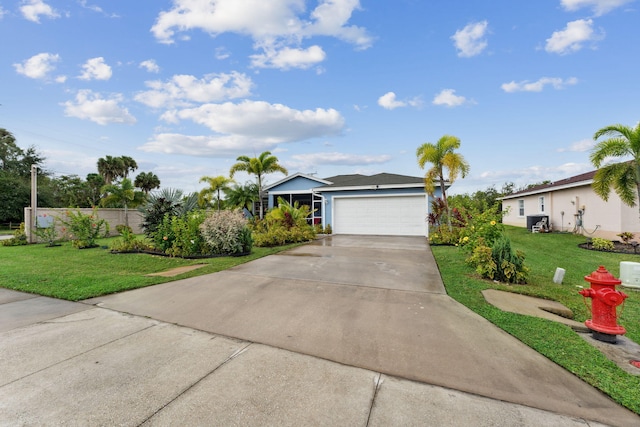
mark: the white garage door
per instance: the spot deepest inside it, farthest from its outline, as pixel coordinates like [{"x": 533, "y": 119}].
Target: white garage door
[{"x": 393, "y": 215}]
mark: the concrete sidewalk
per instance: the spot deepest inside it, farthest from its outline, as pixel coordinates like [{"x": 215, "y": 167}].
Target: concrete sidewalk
[{"x": 328, "y": 334}]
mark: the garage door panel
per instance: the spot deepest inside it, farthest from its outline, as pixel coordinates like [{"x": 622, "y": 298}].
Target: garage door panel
[{"x": 401, "y": 215}]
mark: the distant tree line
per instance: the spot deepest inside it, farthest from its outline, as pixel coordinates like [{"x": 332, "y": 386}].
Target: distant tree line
[{"x": 67, "y": 191}]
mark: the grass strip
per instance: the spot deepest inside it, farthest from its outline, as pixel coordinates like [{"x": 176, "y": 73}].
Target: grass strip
[
  {"x": 556, "y": 341},
  {"x": 75, "y": 274}
]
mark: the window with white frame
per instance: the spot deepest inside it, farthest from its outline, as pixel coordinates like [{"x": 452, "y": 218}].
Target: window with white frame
[
  {"x": 541, "y": 204},
  {"x": 520, "y": 207}
]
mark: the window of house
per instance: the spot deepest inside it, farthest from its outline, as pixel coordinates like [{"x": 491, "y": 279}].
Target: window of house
[
  {"x": 541, "y": 204},
  {"x": 520, "y": 207}
]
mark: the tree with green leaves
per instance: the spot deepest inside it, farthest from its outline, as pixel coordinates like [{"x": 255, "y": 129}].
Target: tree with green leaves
[
  {"x": 110, "y": 168},
  {"x": 15, "y": 177},
  {"x": 147, "y": 181},
  {"x": 624, "y": 177},
  {"x": 122, "y": 194},
  {"x": 242, "y": 196},
  {"x": 259, "y": 166},
  {"x": 443, "y": 157},
  {"x": 216, "y": 185}
]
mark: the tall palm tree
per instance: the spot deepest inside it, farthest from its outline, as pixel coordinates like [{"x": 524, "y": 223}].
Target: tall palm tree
[
  {"x": 128, "y": 165},
  {"x": 147, "y": 181},
  {"x": 242, "y": 196},
  {"x": 259, "y": 166},
  {"x": 110, "y": 168},
  {"x": 216, "y": 184},
  {"x": 122, "y": 194},
  {"x": 624, "y": 178},
  {"x": 442, "y": 156}
]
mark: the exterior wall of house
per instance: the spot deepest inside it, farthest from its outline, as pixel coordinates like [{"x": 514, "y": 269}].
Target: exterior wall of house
[
  {"x": 112, "y": 216},
  {"x": 599, "y": 219},
  {"x": 296, "y": 185},
  {"x": 328, "y": 198}
]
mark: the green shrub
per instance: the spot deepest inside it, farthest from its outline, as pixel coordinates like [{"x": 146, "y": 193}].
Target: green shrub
[
  {"x": 84, "y": 229},
  {"x": 441, "y": 235},
  {"x": 626, "y": 237},
  {"x": 482, "y": 229},
  {"x": 284, "y": 224},
  {"x": 180, "y": 235},
  {"x": 510, "y": 266},
  {"x": 602, "y": 244},
  {"x": 500, "y": 262},
  {"x": 129, "y": 242},
  {"x": 19, "y": 237},
  {"x": 227, "y": 232},
  {"x": 268, "y": 234}
]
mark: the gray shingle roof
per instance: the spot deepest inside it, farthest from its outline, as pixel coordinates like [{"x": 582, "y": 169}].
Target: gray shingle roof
[{"x": 357, "y": 180}]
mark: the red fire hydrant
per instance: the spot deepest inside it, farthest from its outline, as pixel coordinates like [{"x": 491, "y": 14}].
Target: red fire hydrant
[{"x": 604, "y": 300}]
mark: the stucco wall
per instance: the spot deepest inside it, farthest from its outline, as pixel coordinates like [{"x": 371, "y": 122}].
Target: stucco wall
[
  {"x": 112, "y": 216},
  {"x": 600, "y": 218}
]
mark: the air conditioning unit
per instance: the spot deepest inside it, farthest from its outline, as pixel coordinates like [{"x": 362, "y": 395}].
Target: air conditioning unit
[{"x": 630, "y": 274}]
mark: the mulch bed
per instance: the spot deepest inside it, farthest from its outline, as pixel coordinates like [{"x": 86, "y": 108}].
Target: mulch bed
[{"x": 618, "y": 247}]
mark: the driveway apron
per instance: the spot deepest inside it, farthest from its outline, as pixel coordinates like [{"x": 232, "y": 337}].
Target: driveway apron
[{"x": 370, "y": 302}]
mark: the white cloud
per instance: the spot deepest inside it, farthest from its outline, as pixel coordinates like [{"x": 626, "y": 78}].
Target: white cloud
[
  {"x": 183, "y": 90},
  {"x": 579, "y": 146},
  {"x": 2, "y": 12},
  {"x": 204, "y": 146},
  {"x": 311, "y": 160},
  {"x": 448, "y": 98},
  {"x": 277, "y": 27},
  {"x": 91, "y": 106},
  {"x": 38, "y": 66},
  {"x": 572, "y": 38},
  {"x": 389, "y": 102},
  {"x": 32, "y": 10},
  {"x": 470, "y": 41},
  {"x": 287, "y": 58},
  {"x": 599, "y": 7},
  {"x": 538, "y": 86},
  {"x": 95, "y": 69},
  {"x": 247, "y": 126},
  {"x": 150, "y": 65},
  {"x": 533, "y": 174},
  {"x": 222, "y": 53},
  {"x": 259, "y": 119}
]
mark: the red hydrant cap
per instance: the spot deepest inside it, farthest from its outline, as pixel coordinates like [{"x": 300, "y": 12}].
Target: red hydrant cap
[{"x": 602, "y": 277}]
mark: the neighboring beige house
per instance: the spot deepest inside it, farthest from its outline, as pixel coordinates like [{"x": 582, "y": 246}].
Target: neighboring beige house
[{"x": 572, "y": 205}]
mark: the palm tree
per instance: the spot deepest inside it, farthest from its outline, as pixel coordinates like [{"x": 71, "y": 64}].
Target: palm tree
[
  {"x": 623, "y": 141},
  {"x": 122, "y": 194},
  {"x": 258, "y": 166},
  {"x": 128, "y": 165},
  {"x": 147, "y": 181},
  {"x": 216, "y": 184},
  {"x": 242, "y": 196},
  {"x": 110, "y": 168},
  {"x": 442, "y": 156}
]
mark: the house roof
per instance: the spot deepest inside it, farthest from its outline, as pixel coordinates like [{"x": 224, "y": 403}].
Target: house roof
[
  {"x": 382, "y": 179},
  {"x": 574, "y": 181},
  {"x": 320, "y": 181}
]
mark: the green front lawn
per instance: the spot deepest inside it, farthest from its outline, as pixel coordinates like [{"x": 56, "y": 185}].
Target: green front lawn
[
  {"x": 544, "y": 253},
  {"x": 75, "y": 274}
]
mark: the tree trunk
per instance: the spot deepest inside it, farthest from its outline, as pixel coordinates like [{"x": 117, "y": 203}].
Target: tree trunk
[{"x": 446, "y": 203}]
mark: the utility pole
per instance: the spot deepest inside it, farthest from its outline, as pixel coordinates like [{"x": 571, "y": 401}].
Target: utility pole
[{"x": 34, "y": 203}]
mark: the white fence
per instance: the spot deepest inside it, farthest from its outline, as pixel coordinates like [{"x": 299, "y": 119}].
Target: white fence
[{"x": 112, "y": 216}]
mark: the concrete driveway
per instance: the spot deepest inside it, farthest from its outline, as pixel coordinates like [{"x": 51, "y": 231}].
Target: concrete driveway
[{"x": 348, "y": 330}]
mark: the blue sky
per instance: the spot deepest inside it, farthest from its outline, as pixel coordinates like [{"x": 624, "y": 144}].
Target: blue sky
[{"x": 328, "y": 86}]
